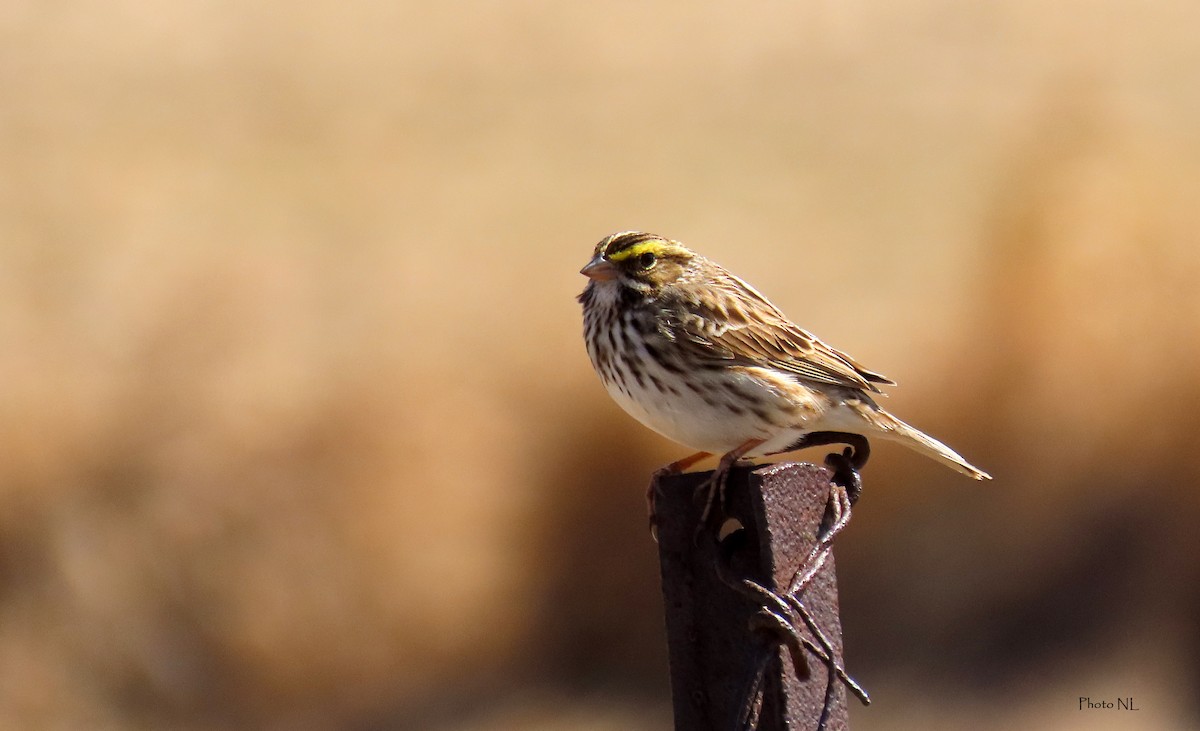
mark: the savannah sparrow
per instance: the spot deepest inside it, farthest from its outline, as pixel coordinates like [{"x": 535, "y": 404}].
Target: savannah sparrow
[{"x": 702, "y": 358}]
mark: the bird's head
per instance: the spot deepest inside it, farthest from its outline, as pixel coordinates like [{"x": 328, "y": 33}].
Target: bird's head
[{"x": 640, "y": 261}]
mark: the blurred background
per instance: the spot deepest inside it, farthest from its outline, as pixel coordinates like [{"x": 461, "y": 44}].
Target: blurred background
[{"x": 297, "y": 429}]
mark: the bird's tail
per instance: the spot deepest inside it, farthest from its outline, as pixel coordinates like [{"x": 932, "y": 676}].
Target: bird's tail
[{"x": 889, "y": 427}]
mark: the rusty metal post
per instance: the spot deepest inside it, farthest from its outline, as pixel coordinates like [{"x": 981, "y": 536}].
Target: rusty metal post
[{"x": 713, "y": 649}]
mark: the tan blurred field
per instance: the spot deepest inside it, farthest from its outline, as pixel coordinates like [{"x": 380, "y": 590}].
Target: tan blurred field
[{"x": 298, "y": 428}]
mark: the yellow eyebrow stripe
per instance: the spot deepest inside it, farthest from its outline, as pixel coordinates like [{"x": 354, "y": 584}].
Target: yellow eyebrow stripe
[{"x": 653, "y": 247}]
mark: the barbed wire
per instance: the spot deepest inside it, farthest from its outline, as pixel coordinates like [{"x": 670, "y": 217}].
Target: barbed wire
[{"x": 777, "y": 623}]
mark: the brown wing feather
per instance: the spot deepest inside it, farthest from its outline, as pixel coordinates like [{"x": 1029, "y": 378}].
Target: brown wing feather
[{"x": 734, "y": 322}]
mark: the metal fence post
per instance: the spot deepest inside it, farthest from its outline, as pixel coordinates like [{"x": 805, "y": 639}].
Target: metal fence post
[{"x": 714, "y": 646}]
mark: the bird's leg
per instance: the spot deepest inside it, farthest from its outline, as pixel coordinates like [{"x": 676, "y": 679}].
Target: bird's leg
[
  {"x": 674, "y": 468},
  {"x": 714, "y": 486},
  {"x": 680, "y": 465}
]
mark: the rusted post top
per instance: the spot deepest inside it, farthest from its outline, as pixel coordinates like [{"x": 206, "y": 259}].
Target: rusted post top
[{"x": 713, "y": 649}]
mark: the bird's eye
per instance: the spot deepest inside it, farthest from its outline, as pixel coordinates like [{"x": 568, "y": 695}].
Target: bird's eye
[{"x": 647, "y": 261}]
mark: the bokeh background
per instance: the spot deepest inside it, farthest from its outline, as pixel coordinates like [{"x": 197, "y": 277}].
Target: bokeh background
[{"x": 297, "y": 430}]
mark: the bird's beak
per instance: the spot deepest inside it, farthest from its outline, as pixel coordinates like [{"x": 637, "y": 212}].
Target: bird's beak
[{"x": 599, "y": 269}]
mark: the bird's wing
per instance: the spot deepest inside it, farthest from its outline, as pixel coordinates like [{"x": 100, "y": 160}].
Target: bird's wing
[{"x": 733, "y": 322}]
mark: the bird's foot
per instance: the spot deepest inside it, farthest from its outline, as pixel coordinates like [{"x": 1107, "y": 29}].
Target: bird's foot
[{"x": 661, "y": 473}]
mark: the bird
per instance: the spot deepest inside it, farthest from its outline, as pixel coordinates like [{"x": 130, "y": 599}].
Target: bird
[{"x": 698, "y": 355}]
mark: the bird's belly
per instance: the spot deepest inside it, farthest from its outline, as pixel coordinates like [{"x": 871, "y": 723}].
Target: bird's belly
[{"x": 711, "y": 416}]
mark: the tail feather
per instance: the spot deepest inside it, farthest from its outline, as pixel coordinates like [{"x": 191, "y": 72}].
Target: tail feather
[{"x": 895, "y": 430}]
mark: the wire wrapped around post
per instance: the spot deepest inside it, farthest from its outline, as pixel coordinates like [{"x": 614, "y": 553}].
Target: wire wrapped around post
[{"x": 747, "y": 650}]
